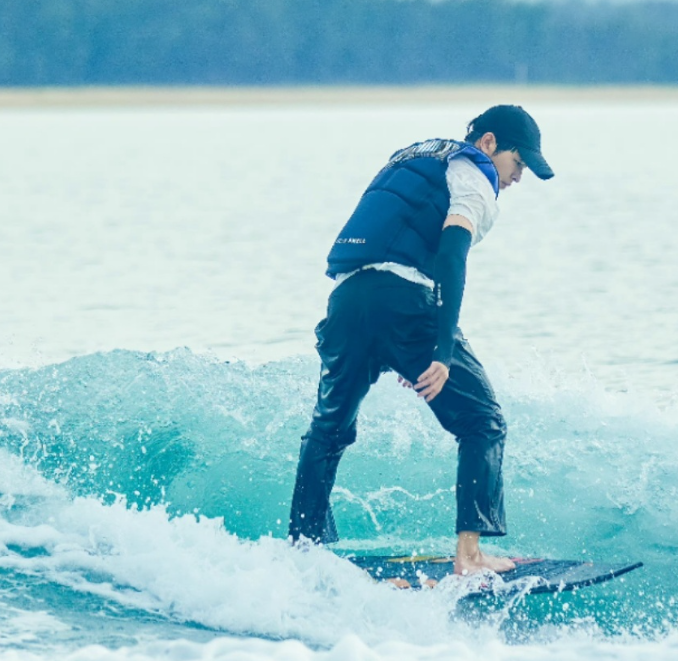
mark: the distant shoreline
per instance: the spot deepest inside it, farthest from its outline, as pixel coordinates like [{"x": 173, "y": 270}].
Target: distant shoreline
[{"x": 329, "y": 95}]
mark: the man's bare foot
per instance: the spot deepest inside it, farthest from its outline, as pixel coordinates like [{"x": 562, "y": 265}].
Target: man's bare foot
[
  {"x": 481, "y": 561},
  {"x": 470, "y": 559}
]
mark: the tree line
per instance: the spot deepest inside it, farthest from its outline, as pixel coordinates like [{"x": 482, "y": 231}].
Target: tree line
[{"x": 276, "y": 42}]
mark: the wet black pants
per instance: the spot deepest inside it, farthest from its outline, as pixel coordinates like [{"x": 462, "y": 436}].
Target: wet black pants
[{"x": 377, "y": 320}]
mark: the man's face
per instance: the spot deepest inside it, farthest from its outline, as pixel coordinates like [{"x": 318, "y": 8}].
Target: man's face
[
  {"x": 509, "y": 164},
  {"x": 510, "y": 167}
]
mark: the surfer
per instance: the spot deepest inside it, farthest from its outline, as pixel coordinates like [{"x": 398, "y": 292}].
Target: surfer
[{"x": 400, "y": 268}]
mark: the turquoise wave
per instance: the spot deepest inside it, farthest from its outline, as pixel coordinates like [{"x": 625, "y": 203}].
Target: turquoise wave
[{"x": 589, "y": 474}]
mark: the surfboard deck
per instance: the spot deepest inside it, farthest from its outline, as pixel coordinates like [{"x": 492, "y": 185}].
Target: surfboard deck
[{"x": 531, "y": 575}]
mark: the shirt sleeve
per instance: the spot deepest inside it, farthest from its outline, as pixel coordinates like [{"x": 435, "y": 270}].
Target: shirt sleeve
[{"x": 471, "y": 196}]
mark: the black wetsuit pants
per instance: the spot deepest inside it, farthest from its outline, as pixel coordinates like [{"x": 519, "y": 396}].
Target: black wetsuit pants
[{"x": 377, "y": 320}]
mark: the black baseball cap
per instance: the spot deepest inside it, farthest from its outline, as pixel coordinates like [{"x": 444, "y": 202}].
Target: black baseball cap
[{"x": 514, "y": 126}]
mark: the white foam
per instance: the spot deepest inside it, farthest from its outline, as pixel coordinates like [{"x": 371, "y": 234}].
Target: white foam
[
  {"x": 20, "y": 626},
  {"x": 193, "y": 570},
  {"x": 352, "y": 648},
  {"x": 18, "y": 479}
]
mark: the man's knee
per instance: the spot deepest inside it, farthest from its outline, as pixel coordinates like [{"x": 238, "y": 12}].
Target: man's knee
[
  {"x": 329, "y": 437},
  {"x": 495, "y": 426}
]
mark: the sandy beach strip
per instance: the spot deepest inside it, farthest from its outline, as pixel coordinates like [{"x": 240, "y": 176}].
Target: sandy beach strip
[{"x": 329, "y": 95}]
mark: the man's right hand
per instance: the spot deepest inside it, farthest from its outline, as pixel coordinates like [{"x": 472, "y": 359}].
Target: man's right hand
[{"x": 431, "y": 382}]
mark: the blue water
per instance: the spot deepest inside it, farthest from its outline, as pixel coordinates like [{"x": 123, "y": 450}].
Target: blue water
[
  {"x": 122, "y": 444},
  {"x": 157, "y": 372}
]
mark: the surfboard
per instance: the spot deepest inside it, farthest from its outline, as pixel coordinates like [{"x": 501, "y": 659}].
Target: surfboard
[{"x": 530, "y": 576}]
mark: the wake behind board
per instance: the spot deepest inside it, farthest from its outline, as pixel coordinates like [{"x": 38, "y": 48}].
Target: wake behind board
[{"x": 531, "y": 575}]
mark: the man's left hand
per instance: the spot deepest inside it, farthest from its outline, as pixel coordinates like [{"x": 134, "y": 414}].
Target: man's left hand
[{"x": 404, "y": 382}]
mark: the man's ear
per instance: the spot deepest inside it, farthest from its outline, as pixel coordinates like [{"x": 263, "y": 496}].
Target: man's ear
[{"x": 487, "y": 143}]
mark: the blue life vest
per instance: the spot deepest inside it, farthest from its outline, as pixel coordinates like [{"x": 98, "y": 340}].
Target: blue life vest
[{"x": 401, "y": 214}]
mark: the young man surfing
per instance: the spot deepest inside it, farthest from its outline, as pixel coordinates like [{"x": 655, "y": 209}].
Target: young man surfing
[{"x": 400, "y": 268}]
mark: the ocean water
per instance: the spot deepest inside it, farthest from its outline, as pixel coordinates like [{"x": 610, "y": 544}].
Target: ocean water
[{"x": 162, "y": 274}]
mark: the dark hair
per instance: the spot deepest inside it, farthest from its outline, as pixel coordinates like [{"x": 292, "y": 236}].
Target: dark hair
[{"x": 474, "y": 135}]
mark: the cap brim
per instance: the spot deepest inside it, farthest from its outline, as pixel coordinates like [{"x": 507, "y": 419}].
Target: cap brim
[{"x": 537, "y": 163}]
